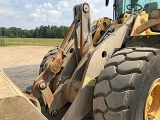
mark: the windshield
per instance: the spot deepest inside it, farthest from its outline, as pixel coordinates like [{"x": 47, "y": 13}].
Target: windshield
[{"x": 123, "y": 6}]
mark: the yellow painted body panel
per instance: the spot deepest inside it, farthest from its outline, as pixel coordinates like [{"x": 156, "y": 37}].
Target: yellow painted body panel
[
  {"x": 141, "y": 19},
  {"x": 101, "y": 25}
]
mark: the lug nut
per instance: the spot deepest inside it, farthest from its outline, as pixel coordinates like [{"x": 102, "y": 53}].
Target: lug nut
[
  {"x": 54, "y": 113},
  {"x": 55, "y": 68},
  {"x": 86, "y": 7},
  {"x": 42, "y": 85}
]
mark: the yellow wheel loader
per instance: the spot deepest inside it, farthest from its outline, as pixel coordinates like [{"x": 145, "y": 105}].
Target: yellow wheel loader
[{"x": 107, "y": 70}]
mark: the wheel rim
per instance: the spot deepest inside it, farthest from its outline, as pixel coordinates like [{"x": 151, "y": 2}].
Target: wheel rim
[{"x": 152, "y": 107}]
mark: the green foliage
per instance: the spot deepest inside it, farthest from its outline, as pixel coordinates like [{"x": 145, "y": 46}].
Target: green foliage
[
  {"x": 2, "y": 41},
  {"x": 38, "y": 32},
  {"x": 32, "y": 42}
]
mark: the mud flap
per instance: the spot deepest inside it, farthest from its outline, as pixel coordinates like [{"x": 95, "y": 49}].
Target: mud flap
[{"x": 13, "y": 104}]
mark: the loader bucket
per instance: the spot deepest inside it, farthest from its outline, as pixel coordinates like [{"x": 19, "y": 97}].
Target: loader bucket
[{"x": 14, "y": 105}]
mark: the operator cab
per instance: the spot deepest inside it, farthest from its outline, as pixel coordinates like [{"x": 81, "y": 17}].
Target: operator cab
[
  {"x": 124, "y": 8},
  {"x": 129, "y": 6}
]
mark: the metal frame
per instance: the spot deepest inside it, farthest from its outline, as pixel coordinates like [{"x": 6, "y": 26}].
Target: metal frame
[
  {"x": 77, "y": 78},
  {"x": 77, "y": 74}
]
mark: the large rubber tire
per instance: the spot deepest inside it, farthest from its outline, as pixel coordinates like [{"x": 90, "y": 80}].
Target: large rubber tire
[
  {"x": 46, "y": 57},
  {"x": 68, "y": 49},
  {"x": 122, "y": 87}
]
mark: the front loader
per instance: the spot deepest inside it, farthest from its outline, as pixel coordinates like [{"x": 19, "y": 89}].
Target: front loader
[{"x": 107, "y": 70}]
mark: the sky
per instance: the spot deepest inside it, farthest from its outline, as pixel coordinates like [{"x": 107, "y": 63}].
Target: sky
[{"x": 29, "y": 14}]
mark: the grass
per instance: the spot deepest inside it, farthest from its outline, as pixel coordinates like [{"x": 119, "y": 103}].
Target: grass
[{"x": 31, "y": 42}]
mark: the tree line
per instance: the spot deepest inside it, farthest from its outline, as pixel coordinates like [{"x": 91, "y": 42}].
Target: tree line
[{"x": 38, "y": 32}]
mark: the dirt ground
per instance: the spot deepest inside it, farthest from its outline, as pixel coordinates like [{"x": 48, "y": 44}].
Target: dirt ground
[
  {"x": 22, "y": 55},
  {"x": 21, "y": 64}
]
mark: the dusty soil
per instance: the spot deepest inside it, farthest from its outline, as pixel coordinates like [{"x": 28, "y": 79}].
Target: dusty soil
[
  {"x": 21, "y": 64},
  {"x": 22, "y": 55}
]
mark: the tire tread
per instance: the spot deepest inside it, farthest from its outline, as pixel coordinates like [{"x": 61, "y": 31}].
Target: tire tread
[{"x": 119, "y": 73}]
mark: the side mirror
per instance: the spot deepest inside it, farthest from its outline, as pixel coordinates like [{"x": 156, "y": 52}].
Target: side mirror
[{"x": 107, "y": 2}]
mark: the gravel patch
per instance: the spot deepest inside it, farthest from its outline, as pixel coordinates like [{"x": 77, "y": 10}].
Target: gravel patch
[{"x": 23, "y": 76}]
